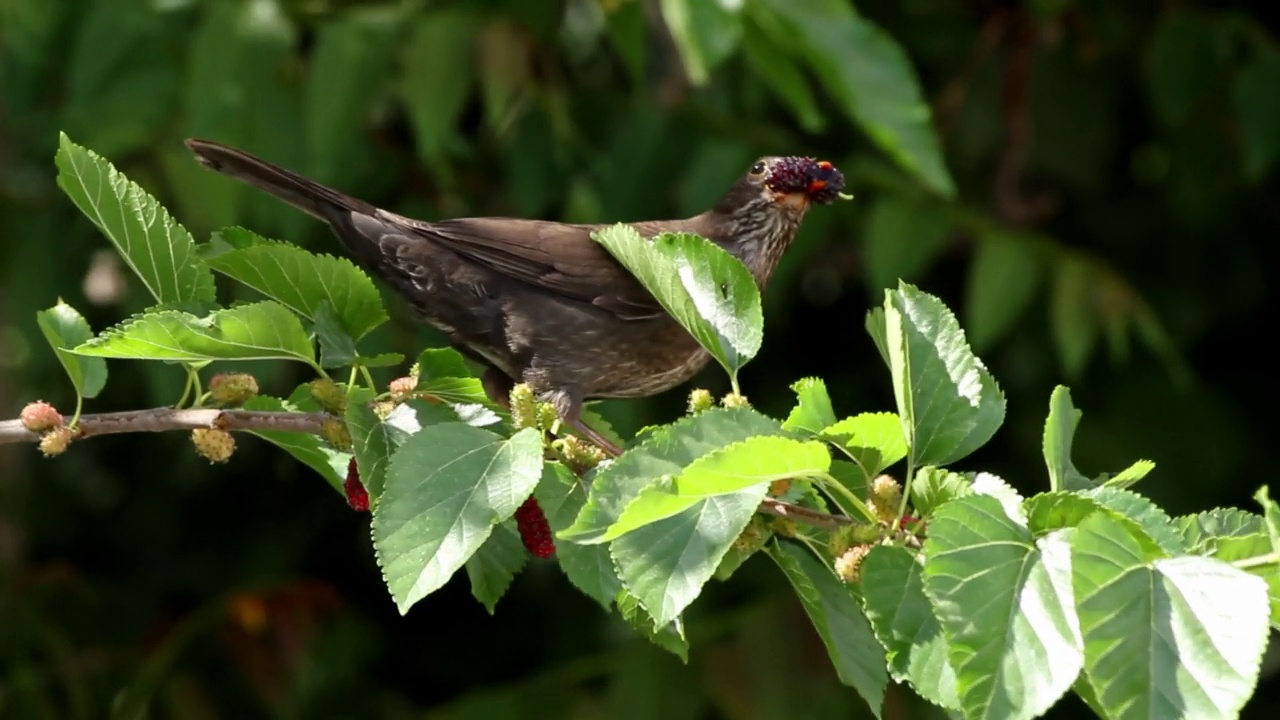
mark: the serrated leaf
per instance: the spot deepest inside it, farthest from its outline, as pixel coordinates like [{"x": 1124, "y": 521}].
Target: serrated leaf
[
  {"x": 1003, "y": 599},
  {"x": 705, "y": 33},
  {"x": 306, "y": 448},
  {"x": 374, "y": 440},
  {"x": 707, "y": 290},
  {"x": 65, "y": 328},
  {"x": 1154, "y": 521},
  {"x": 899, "y": 612},
  {"x": 259, "y": 331},
  {"x": 903, "y": 236},
  {"x": 871, "y": 77},
  {"x": 454, "y": 390},
  {"x": 874, "y": 440},
  {"x": 948, "y": 401},
  {"x": 877, "y": 326},
  {"x": 1201, "y": 530},
  {"x": 155, "y": 246},
  {"x": 1255, "y": 555},
  {"x": 832, "y": 608},
  {"x": 934, "y": 486},
  {"x": 854, "y": 479},
  {"x": 492, "y": 568},
  {"x": 447, "y": 487},
  {"x": 813, "y": 410},
  {"x": 588, "y": 567},
  {"x": 1059, "y": 429},
  {"x": 337, "y": 348},
  {"x": 985, "y": 483},
  {"x": 302, "y": 281},
  {"x": 669, "y": 637},
  {"x": 760, "y": 459},
  {"x": 666, "y": 563},
  {"x": 1130, "y": 475},
  {"x": 1002, "y": 281},
  {"x": 1165, "y": 637},
  {"x": 434, "y": 100},
  {"x": 667, "y": 451},
  {"x": 1270, "y": 514}
]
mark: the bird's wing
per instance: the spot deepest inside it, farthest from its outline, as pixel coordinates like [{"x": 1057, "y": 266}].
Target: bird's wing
[{"x": 556, "y": 257}]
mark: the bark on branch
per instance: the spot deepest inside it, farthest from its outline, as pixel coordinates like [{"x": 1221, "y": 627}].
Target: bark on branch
[{"x": 162, "y": 419}]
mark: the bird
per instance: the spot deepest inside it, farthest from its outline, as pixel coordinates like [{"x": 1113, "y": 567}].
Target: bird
[{"x": 541, "y": 302}]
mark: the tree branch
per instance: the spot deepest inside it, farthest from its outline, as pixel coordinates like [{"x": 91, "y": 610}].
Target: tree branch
[
  {"x": 817, "y": 518},
  {"x": 162, "y": 419}
]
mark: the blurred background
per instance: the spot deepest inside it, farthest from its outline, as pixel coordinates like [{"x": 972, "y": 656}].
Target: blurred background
[{"x": 1112, "y": 227}]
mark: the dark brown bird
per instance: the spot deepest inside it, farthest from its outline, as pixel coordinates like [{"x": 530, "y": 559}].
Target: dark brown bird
[{"x": 541, "y": 302}]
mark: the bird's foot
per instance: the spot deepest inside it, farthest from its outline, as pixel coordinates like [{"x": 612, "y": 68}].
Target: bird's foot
[{"x": 498, "y": 386}]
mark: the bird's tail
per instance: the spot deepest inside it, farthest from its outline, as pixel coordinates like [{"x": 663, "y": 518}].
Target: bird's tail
[{"x": 309, "y": 196}]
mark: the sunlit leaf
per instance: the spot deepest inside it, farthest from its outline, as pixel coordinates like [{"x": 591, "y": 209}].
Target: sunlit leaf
[{"x": 65, "y": 329}]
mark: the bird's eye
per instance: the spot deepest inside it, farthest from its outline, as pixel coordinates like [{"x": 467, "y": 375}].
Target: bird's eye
[{"x": 758, "y": 168}]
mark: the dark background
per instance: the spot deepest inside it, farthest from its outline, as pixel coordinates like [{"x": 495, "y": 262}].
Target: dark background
[{"x": 1114, "y": 229}]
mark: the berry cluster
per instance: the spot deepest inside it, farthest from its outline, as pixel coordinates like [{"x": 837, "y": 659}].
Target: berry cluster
[
  {"x": 357, "y": 496},
  {"x": 821, "y": 181},
  {"x": 535, "y": 532}
]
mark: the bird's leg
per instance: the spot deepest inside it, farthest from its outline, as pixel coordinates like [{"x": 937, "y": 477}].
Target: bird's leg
[
  {"x": 497, "y": 386},
  {"x": 569, "y": 407}
]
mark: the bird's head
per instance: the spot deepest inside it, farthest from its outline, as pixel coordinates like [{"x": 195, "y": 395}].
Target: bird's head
[
  {"x": 785, "y": 184},
  {"x": 758, "y": 217}
]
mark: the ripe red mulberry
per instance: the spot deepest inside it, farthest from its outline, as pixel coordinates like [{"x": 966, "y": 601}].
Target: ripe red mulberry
[{"x": 534, "y": 530}]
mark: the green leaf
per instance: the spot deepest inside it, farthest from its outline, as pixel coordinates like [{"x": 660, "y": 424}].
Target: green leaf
[
  {"x": 436, "y": 363},
  {"x": 454, "y": 390},
  {"x": 934, "y": 486},
  {"x": 1270, "y": 514},
  {"x": 1177, "y": 637},
  {"x": 375, "y": 440},
  {"x": 949, "y": 404},
  {"x": 775, "y": 68},
  {"x": 1072, "y": 320},
  {"x": 1258, "y": 557},
  {"x": 350, "y": 48},
  {"x": 760, "y": 459},
  {"x": 853, "y": 478},
  {"x": 492, "y": 568},
  {"x": 667, "y": 451},
  {"x": 869, "y": 74},
  {"x": 1258, "y": 110},
  {"x": 899, "y": 611},
  {"x": 1003, "y": 278},
  {"x": 703, "y": 287},
  {"x": 379, "y": 360},
  {"x": 1201, "y": 531},
  {"x": 1182, "y": 67},
  {"x": 705, "y": 33},
  {"x": 874, "y": 440},
  {"x": 1130, "y": 475},
  {"x": 666, "y": 563},
  {"x": 588, "y": 567},
  {"x": 813, "y": 410},
  {"x": 308, "y": 449},
  {"x": 1154, "y": 521},
  {"x": 302, "y": 281},
  {"x": 65, "y": 328},
  {"x": 832, "y": 608},
  {"x": 903, "y": 236},
  {"x": 435, "y": 98},
  {"x": 337, "y": 348},
  {"x": 1059, "y": 429},
  {"x": 447, "y": 487},
  {"x": 158, "y": 249},
  {"x": 260, "y": 331},
  {"x": 877, "y": 327},
  {"x": 1004, "y": 601},
  {"x": 669, "y": 637},
  {"x": 504, "y": 69}
]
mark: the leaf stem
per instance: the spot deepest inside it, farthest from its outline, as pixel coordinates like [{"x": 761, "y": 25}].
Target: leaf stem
[
  {"x": 368, "y": 377},
  {"x": 830, "y": 483},
  {"x": 1271, "y": 558}
]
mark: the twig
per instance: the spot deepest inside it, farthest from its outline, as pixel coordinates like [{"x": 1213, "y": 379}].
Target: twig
[
  {"x": 804, "y": 515},
  {"x": 162, "y": 419}
]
